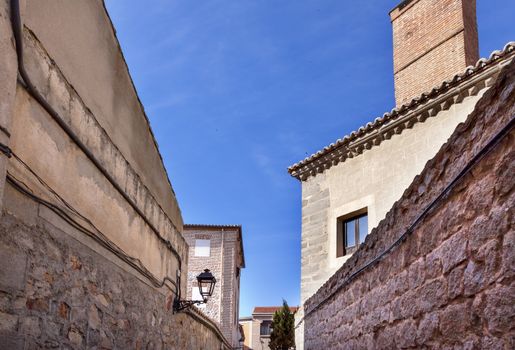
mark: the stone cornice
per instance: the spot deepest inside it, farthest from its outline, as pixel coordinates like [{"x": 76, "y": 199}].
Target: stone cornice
[{"x": 450, "y": 92}]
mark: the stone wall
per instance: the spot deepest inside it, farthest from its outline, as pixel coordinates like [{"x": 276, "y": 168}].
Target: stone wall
[
  {"x": 38, "y": 140},
  {"x": 59, "y": 286},
  {"x": 451, "y": 282},
  {"x": 58, "y": 292}
]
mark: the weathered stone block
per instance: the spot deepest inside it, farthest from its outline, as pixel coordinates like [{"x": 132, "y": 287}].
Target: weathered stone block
[
  {"x": 453, "y": 251},
  {"x": 432, "y": 295},
  {"x": 12, "y": 273},
  {"x": 12, "y": 342},
  {"x": 427, "y": 328},
  {"x": 52, "y": 330},
  {"x": 416, "y": 273},
  {"x": 455, "y": 320},
  {"x": 406, "y": 334},
  {"x": 486, "y": 227},
  {"x": 30, "y": 326},
  {"x": 93, "y": 317},
  {"x": 75, "y": 336},
  {"x": 508, "y": 255},
  {"x": 8, "y": 322},
  {"x": 499, "y": 311},
  {"x": 455, "y": 282},
  {"x": 5, "y": 302}
]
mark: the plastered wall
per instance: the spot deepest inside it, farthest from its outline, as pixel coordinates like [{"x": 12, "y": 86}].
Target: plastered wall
[{"x": 73, "y": 58}]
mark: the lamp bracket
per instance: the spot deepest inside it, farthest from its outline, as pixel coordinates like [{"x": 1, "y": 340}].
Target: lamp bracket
[{"x": 180, "y": 305}]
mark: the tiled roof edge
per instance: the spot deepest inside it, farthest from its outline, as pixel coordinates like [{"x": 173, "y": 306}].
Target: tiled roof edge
[
  {"x": 211, "y": 226},
  {"x": 271, "y": 309},
  {"x": 469, "y": 83}
]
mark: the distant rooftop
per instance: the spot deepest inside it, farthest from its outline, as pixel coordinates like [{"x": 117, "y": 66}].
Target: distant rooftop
[
  {"x": 210, "y": 226},
  {"x": 270, "y": 309}
]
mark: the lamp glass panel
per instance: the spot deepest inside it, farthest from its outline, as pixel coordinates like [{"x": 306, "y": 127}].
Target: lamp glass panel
[
  {"x": 204, "y": 288},
  {"x": 211, "y": 287}
]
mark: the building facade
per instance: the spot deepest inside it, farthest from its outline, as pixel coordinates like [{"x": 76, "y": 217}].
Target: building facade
[
  {"x": 218, "y": 248},
  {"x": 438, "y": 272},
  {"x": 350, "y": 185},
  {"x": 257, "y": 328}
]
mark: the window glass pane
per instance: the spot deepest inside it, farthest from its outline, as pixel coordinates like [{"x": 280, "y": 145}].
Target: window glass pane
[
  {"x": 265, "y": 328},
  {"x": 195, "y": 295},
  {"x": 350, "y": 234},
  {"x": 363, "y": 228},
  {"x": 202, "y": 247}
]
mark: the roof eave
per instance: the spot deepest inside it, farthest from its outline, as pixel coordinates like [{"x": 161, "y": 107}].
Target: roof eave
[{"x": 429, "y": 104}]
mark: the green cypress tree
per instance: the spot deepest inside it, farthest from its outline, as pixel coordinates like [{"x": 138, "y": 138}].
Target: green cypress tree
[{"x": 283, "y": 333}]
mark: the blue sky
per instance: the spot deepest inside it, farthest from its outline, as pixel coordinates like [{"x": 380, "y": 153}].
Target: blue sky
[{"x": 236, "y": 91}]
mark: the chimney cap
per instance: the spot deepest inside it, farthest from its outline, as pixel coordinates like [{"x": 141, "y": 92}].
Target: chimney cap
[{"x": 402, "y": 5}]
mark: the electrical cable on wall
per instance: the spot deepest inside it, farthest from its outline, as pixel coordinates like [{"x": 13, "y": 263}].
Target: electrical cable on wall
[
  {"x": 18, "y": 38},
  {"x": 96, "y": 234}
]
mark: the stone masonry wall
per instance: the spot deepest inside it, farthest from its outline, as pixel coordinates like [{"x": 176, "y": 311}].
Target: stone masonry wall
[
  {"x": 59, "y": 288},
  {"x": 38, "y": 140},
  {"x": 314, "y": 247},
  {"x": 451, "y": 282},
  {"x": 58, "y": 292}
]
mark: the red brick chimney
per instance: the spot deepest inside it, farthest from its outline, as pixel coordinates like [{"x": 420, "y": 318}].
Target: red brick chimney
[{"x": 432, "y": 41}]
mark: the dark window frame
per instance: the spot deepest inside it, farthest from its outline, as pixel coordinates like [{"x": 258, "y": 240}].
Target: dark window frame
[
  {"x": 265, "y": 328},
  {"x": 341, "y": 247}
]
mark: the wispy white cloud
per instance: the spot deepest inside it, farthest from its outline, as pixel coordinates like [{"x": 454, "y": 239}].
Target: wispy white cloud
[{"x": 266, "y": 165}]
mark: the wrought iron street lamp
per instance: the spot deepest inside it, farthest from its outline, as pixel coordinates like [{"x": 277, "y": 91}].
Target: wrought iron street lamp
[{"x": 206, "y": 285}]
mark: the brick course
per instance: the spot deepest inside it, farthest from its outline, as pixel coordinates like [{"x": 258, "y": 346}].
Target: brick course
[
  {"x": 225, "y": 257},
  {"x": 449, "y": 283},
  {"x": 432, "y": 41}
]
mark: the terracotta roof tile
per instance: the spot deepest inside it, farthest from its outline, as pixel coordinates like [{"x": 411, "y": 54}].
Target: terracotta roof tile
[{"x": 270, "y": 309}]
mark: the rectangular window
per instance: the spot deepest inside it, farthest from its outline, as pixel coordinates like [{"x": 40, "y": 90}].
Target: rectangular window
[
  {"x": 202, "y": 247},
  {"x": 352, "y": 229},
  {"x": 265, "y": 328}
]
